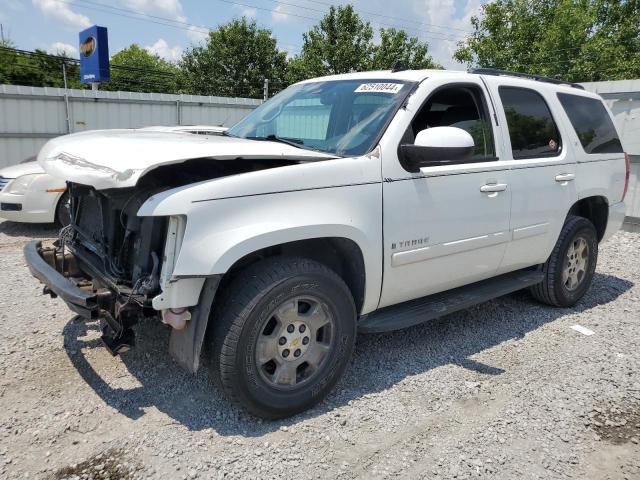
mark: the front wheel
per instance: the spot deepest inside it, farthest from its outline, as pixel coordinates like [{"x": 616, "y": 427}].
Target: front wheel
[
  {"x": 282, "y": 336},
  {"x": 571, "y": 266},
  {"x": 63, "y": 210}
]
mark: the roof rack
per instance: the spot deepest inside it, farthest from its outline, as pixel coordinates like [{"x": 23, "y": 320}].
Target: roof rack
[{"x": 539, "y": 78}]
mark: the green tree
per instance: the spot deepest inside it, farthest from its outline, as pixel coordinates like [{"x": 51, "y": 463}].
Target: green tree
[
  {"x": 37, "y": 69},
  {"x": 8, "y": 63},
  {"x": 136, "y": 70},
  {"x": 397, "y": 46},
  {"x": 234, "y": 61},
  {"x": 576, "y": 40},
  {"x": 340, "y": 43}
]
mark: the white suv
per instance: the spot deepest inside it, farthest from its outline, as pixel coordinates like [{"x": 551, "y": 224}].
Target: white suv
[{"x": 370, "y": 201}]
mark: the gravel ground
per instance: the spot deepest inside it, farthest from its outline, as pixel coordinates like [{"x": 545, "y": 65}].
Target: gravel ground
[{"x": 504, "y": 390}]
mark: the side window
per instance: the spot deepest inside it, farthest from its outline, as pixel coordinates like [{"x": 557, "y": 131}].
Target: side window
[
  {"x": 592, "y": 123},
  {"x": 532, "y": 130},
  {"x": 463, "y": 107}
]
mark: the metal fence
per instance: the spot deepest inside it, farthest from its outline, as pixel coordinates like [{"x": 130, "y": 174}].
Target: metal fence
[{"x": 29, "y": 116}]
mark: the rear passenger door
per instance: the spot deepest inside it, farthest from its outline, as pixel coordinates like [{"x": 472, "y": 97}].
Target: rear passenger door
[{"x": 542, "y": 171}]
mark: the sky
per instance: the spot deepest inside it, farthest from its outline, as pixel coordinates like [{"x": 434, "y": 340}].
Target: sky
[{"x": 167, "y": 27}]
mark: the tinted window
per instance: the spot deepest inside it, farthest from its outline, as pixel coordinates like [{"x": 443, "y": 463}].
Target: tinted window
[
  {"x": 592, "y": 124},
  {"x": 461, "y": 107},
  {"x": 532, "y": 130}
]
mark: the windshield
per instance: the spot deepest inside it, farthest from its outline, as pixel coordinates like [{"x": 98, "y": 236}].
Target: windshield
[{"x": 341, "y": 117}]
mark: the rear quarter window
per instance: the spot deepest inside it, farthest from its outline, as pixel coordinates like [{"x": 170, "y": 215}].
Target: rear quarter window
[{"x": 592, "y": 123}]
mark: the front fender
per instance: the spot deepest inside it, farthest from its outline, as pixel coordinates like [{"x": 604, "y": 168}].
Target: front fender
[
  {"x": 333, "y": 199},
  {"x": 221, "y": 232}
]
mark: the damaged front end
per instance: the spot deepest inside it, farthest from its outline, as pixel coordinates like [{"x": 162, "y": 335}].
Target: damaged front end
[
  {"x": 107, "y": 263},
  {"x": 112, "y": 265}
]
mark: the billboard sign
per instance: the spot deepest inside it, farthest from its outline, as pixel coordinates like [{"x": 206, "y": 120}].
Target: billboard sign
[{"x": 94, "y": 55}]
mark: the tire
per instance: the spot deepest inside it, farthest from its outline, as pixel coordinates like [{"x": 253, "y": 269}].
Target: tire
[
  {"x": 289, "y": 300},
  {"x": 63, "y": 215},
  {"x": 557, "y": 288}
]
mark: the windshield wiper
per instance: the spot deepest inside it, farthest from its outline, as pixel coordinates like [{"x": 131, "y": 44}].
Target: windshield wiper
[{"x": 294, "y": 142}]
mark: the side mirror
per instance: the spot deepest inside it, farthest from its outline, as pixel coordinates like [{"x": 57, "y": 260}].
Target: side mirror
[{"x": 437, "y": 146}]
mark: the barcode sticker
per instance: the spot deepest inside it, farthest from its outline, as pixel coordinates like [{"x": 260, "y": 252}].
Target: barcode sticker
[{"x": 379, "y": 88}]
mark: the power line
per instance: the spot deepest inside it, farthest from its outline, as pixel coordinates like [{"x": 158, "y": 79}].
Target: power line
[
  {"x": 277, "y": 12},
  {"x": 148, "y": 20},
  {"x": 68, "y": 60},
  {"x": 281, "y": 2},
  {"x": 73, "y": 61},
  {"x": 203, "y": 29},
  {"x": 154, "y": 74},
  {"x": 375, "y": 14},
  {"x": 140, "y": 16}
]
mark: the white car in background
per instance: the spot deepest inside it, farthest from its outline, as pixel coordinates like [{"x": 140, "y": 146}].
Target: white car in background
[{"x": 29, "y": 195}]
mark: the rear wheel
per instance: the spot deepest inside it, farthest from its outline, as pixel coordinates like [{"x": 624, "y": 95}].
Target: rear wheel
[
  {"x": 571, "y": 266},
  {"x": 282, "y": 336}
]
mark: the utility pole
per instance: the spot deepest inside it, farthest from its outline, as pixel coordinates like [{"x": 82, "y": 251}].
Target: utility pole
[
  {"x": 265, "y": 93},
  {"x": 64, "y": 73},
  {"x": 66, "y": 96}
]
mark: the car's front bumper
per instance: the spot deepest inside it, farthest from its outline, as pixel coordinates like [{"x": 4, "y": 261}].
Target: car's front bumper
[
  {"x": 35, "y": 207},
  {"x": 47, "y": 265}
]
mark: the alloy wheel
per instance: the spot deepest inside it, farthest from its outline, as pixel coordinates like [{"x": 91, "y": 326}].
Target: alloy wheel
[
  {"x": 294, "y": 342},
  {"x": 576, "y": 264}
]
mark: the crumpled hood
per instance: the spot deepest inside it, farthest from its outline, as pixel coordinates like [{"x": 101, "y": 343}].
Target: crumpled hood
[{"x": 118, "y": 158}]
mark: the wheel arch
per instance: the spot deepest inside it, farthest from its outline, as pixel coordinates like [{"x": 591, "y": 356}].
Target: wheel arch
[
  {"x": 58, "y": 204},
  {"x": 595, "y": 209},
  {"x": 342, "y": 255}
]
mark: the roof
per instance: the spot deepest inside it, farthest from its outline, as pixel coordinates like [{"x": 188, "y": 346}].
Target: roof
[
  {"x": 420, "y": 75},
  {"x": 402, "y": 75}
]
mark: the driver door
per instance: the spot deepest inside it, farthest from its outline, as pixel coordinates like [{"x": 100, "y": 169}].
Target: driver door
[{"x": 447, "y": 225}]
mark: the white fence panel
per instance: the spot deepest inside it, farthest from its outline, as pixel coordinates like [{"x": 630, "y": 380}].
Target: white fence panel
[{"x": 29, "y": 116}]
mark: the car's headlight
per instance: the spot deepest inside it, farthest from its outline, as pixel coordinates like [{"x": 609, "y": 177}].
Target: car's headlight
[{"x": 20, "y": 185}]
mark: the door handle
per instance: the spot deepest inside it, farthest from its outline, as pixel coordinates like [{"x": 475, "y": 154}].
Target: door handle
[
  {"x": 565, "y": 177},
  {"x": 493, "y": 187}
]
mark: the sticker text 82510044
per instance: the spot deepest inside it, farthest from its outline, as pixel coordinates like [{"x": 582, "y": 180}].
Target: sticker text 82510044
[{"x": 379, "y": 88}]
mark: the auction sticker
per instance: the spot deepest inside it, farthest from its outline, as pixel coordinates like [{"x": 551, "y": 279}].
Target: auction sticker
[{"x": 379, "y": 88}]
